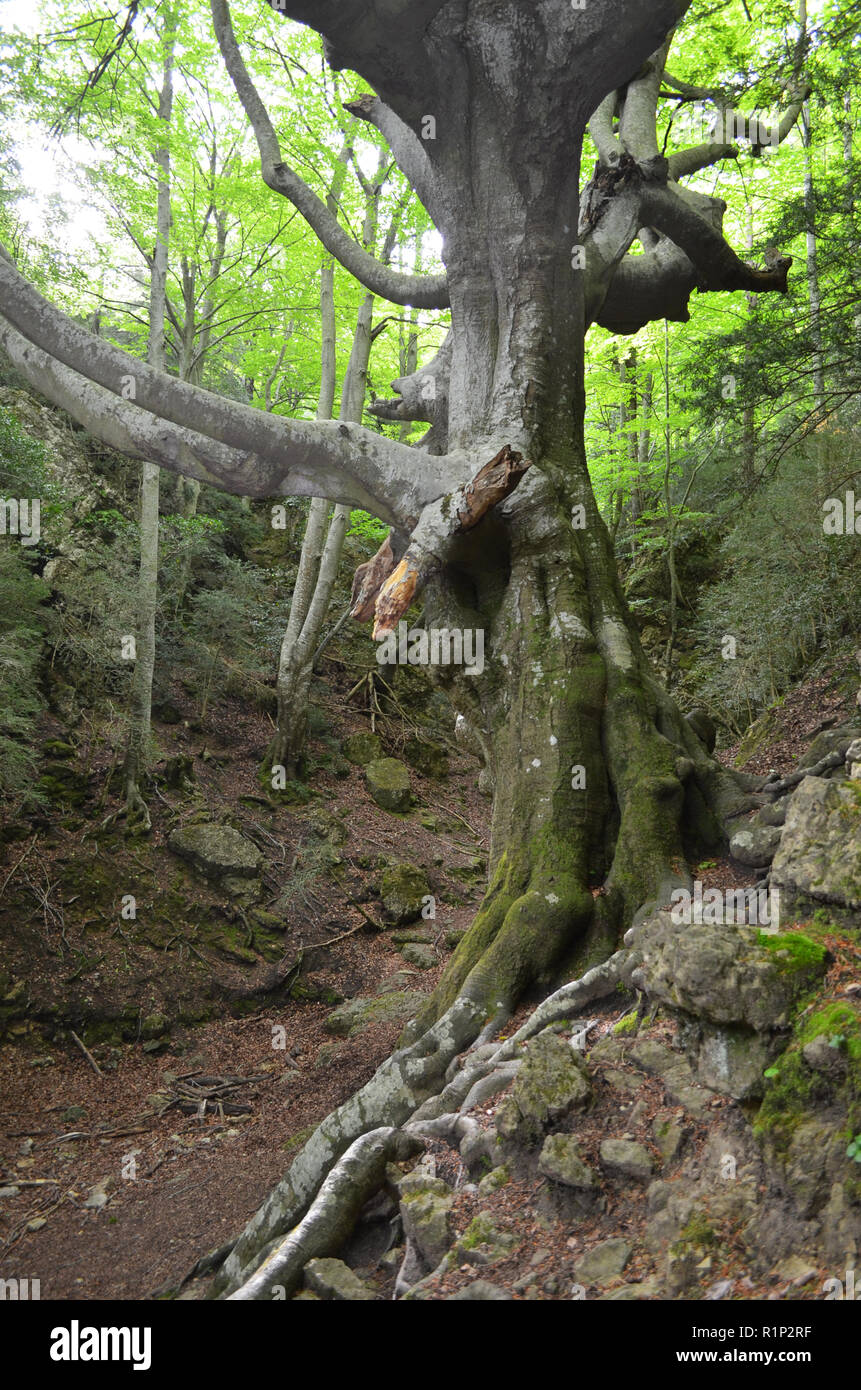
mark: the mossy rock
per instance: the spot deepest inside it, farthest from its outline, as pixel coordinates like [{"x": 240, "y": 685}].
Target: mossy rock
[
  {"x": 419, "y": 954},
  {"x": 403, "y": 889},
  {"x": 56, "y": 748},
  {"x": 552, "y": 1082},
  {"x": 154, "y": 1025},
  {"x": 561, "y": 1161},
  {"x": 61, "y": 783},
  {"x": 427, "y": 758},
  {"x": 484, "y": 1235},
  {"x": 388, "y": 781},
  {"x": 217, "y": 851},
  {"x": 358, "y": 1014},
  {"x": 362, "y": 748}
]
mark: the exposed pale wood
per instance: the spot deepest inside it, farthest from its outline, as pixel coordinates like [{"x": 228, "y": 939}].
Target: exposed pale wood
[{"x": 493, "y": 482}]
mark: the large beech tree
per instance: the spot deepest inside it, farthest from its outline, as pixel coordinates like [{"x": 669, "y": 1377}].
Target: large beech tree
[{"x": 602, "y": 788}]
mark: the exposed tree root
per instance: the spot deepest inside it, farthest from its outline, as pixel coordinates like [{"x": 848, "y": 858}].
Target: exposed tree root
[
  {"x": 344, "y": 1160},
  {"x": 332, "y": 1214},
  {"x": 393, "y": 1094}
]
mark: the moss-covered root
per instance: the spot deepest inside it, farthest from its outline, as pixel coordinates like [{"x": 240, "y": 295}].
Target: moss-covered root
[
  {"x": 392, "y": 1095},
  {"x": 524, "y": 925},
  {"x": 332, "y": 1214}
]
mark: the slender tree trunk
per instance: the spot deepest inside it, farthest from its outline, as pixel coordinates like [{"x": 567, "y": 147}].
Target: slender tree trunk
[
  {"x": 748, "y": 442},
  {"x": 318, "y": 562},
  {"x": 137, "y": 748}
]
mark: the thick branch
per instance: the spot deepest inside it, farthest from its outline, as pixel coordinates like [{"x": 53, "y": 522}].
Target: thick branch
[
  {"x": 601, "y": 129},
  {"x": 267, "y": 455},
  {"x": 690, "y": 161},
  {"x": 637, "y": 122},
  {"x": 423, "y": 292},
  {"x": 646, "y": 288},
  {"x": 409, "y": 152},
  {"x": 736, "y": 125},
  {"x": 719, "y": 266},
  {"x": 422, "y": 396}
]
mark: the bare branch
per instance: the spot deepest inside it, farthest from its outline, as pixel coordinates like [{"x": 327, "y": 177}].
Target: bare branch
[
  {"x": 718, "y": 265},
  {"x": 423, "y": 292},
  {"x": 409, "y": 152},
  {"x": 195, "y": 432}
]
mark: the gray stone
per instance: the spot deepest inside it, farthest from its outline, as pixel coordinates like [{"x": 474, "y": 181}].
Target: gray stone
[
  {"x": 631, "y": 1293},
  {"x": 669, "y": 1136},
  {"x": 497, "y": 1177},
  {"x": 732, "y": 1060},
  {"x": 480, "y": 1289},
  {"x": 605, "y": 1262},
  {"x": 426, "y": 1205},
  {"x": 627, "y": 1157},
  {"x": 362, "y": 748},
  {"x": 674, "y": 1070},
  {"x": 720, "y": 973},
  {"x": 332, "y": 1279},
  {"x": 358, "y": 1014},
  {"x": 560, "y": 1161},
  {"x": 755, "y": 845},
  {"x": 822, "y": 1057},
  {"x": 422, "y": 957},
  {"x": 552, "y": 1082},
  {"x": 483, "y": 1241},
  {"x": 820, "y": 852},
  {"x": 430, "y": 759},
  {"x": 217, "y": 851},
  {"x": 388, "y": 781}
]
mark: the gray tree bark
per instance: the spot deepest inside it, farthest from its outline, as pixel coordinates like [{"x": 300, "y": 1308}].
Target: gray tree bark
[
  {"x": 602, "y": 790},
  {"x": 137, "y": 747}
]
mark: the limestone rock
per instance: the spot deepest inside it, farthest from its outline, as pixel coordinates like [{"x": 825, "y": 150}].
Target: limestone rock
[
  {"x": 561, "y": 1162},
  {"x": 723, "y": 973},
  {"x": 427, "y": 758},
  {"x": 402, "y": 891},
  {"x": 484, "y": 1241},
  {"x": 627, "y": 1157},
  {"x": 217, "y": 851},
  {"x": 423, "y": 957},
  {"x": 388, "y": 781},
  {"x": 755, "y": 845},
  {"x": 605, "y": 1262},
  {"x": 480, "y": 1290},
  {"x": 820, "y": 852},
  {"x": 358, "y": 1014},
  {"x": 497, "y": 1177},
  {"x": 669, "y": 1136},
  {"x": 332, "y": 1279},
  {"x": 362, "y": 748},
  {"x": 426, "y": 1205},
  {"x": 552, "y": 1082}
]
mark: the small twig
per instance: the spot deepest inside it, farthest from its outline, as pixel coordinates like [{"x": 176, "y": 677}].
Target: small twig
[
  {"x": 16, "y": 866},
  {"x": 89, "y": 1056}
]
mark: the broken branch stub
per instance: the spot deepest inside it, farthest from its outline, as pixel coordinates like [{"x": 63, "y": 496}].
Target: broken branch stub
[
  {"x": 370, "y": 578},
  {"x": 440, "y": 523}
]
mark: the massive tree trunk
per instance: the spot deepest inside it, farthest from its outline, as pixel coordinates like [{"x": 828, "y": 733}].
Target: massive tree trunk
[{"x": 602, "y": 790}]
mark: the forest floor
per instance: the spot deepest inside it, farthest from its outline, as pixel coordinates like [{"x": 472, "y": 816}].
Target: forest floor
[{"x": 109, "y": 1188}]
